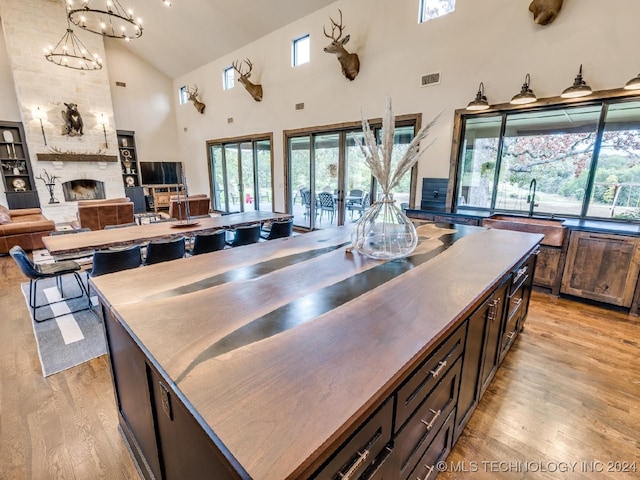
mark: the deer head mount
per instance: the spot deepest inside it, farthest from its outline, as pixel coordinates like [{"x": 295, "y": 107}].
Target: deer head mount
[
  {"x": 349, "y": 61},
  {"x": 193, "y": 98},
  {"x": 545, "y": 11},
  {"x": 254, "y": 89}
]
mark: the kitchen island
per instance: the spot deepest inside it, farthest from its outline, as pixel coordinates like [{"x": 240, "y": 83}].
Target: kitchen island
[{"x": 296, "y": 358}]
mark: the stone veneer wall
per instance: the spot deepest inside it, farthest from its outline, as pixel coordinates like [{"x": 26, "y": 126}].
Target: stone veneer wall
[{"x": 29, "y": 27}]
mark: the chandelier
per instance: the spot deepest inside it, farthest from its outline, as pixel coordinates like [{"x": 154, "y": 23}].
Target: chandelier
[
  {"x": 70, "y": 52},
  {"x": 105, "y": 17}
]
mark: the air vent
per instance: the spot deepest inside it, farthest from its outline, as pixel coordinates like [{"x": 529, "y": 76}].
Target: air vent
[
  {"x": 230, "y": 120},
  {"x": 300, "y": 106},
  {"x": 121, "y": 84},
  {"x": 430, "y": 79}
]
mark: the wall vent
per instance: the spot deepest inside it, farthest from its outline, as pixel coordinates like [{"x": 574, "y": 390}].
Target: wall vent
[
  {"x": 300, "y": 106},
  {"x": 121, "y": 84},
  {"x": 430, "y": 79},
  {"x": 230, "y": 120}
]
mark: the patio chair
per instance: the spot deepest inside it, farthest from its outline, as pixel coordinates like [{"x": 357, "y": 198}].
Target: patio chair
[
  {"x": 327, "y": 204},
  {"x": 56, "y": 270},
  {"x": 361, "y": 206}
]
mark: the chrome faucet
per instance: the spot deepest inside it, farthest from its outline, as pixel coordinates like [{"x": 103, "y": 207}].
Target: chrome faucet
[{"x": 531, "y": 198}]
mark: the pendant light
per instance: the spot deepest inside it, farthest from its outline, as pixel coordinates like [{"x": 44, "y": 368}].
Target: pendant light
[
  {"x": 578, "y": 89},
  {"x": 105, "y": 17},
  {"x": 70, "y": 52},
  {"x": 480, "y": 102},
  {"x": 633, "y": 84},
  {"x": 526, "y": 95}
]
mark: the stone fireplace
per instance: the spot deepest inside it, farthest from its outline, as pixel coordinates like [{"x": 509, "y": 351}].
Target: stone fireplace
[{"x": 83, "y": 189}]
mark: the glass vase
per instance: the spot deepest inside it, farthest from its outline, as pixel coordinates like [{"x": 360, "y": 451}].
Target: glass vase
[{"x": 384, "y": 231}]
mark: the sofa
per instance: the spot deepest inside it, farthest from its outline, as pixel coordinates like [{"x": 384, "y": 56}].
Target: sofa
[
  {"x": 198, "y": 205},
  {"x": 24, "y": 227},
  {"x": 96, "y": 214}
]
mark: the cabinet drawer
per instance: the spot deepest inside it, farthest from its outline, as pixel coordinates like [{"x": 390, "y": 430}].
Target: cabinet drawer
[
  {"x": 418, "y": 433},
  {"x": 363, "y": 449},
  {"x": 437, "y": 451},
  {"x": 414, "y": 391},
  {"x": 515, "y": 301},
  {"x": 510, "y": 332}
]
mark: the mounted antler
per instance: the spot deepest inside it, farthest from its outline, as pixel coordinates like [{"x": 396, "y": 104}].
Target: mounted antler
[
  {"x": 349, "y": 61},
  {"x": 193, "y": 97},
  {"x": 545, "y": 11},
  {"x": 255, "y": 90}
]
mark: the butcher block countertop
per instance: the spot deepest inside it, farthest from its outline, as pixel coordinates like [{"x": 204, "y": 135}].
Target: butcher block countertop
[{"x": 280, "y": 347}]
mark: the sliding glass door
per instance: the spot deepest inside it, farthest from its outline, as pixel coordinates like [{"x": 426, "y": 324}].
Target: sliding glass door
[
  {"x": 329, "y": 183},
  {"x": 241, "y": 175}
]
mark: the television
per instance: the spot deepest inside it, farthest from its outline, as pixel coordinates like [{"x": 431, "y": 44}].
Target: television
[{"x": 160, "y": 173}]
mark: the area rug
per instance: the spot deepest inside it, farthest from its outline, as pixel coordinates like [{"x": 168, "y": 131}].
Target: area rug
[{"x": 70, "y": 339}]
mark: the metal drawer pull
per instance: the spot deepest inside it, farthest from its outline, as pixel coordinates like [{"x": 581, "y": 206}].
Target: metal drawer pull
[
  {"x": 511, "y": 335},
  {"x": 433, "y": 420},
  {"x": 436, "y": 372},
  {"x": 520, "y": 272},
  {"x": 429, "y": 472},
  {"x": 362, "y": 457},
  {"x": 517, "y": 302}
]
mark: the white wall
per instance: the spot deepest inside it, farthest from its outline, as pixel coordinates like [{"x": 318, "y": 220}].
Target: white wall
[
  {"x": 145, "y": 105},
  {"x": 9, "y": 110},
  {"x": 494, "y": 41}
]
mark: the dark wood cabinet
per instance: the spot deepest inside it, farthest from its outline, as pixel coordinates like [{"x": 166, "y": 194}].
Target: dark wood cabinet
[
  {"x": 602, "y": 267},
  {"x": 401, "y": 432},
  {"x": 17, "y": 177}
]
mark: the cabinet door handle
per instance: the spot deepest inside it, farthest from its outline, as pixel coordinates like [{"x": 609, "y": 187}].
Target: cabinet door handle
[
  {"x": 436, "y": 372},
  {"x": 362, "y": 457},
  {"x": 433, "y": 420},
  {"x": 429, "y": 472}
]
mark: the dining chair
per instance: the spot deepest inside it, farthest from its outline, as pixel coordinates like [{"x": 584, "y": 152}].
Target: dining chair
[
  {"x": 279, "y": 229},
  {"x": 165, "y": 250},
  {"x": 209, "y": 242},
  {"x": 115, "y": 260},
  {"x": 246, "y": 235},
  {"x": 56, "y": 270},
  {"x": 327, "y": 204}
]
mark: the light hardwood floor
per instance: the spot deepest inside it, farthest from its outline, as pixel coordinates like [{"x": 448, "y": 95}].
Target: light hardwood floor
[{"x": 566, "y": 397}]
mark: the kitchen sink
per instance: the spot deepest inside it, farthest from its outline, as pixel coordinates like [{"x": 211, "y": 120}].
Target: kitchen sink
[{"x": 552, "y": 229}]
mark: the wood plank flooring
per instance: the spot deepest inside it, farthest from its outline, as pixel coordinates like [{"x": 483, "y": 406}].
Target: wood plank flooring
[{"x": 568, "y": 391}]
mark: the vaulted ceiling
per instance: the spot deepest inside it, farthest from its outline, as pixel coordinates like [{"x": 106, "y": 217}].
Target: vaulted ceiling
[{"x": 191, "y": 33}]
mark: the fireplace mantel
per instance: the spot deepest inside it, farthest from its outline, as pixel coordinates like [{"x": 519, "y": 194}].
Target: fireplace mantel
[{"x": 75, "y": 157}]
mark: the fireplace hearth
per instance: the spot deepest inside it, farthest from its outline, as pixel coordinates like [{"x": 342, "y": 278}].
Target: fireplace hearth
[{"x": 83, "y": 189}]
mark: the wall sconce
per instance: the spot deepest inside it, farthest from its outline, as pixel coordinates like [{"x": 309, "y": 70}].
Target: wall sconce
[
  {"x": 526, "y": 95},
  {"x": 480, "y": 102},
  {"x": 39, "y": 115},
  {"x": 633, "y": 84},
  {"x": 578, "y": 89},
  {"x": 102, "y": 120}
]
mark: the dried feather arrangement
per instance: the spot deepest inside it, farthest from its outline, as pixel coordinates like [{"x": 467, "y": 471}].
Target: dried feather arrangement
[{"x": 378, "y": 157}]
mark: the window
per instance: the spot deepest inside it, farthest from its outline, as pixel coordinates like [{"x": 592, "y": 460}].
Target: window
[
  {"x": 300, "y": 50},
  {"x": 183, "y": 95},
  {"x": 585, "y": 160},
  {"x": 430, "y": 9},
  {"x": 228, "y": 78}
]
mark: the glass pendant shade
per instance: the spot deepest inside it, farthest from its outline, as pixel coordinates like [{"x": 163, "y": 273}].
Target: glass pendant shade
[
  {"x": 578, "y": 89},
  {"x": 105, "y": 17},
  {"x": 633, "y": 84},
  {"x": 526, "y": 95},
  {"x": 480, "y": 102}
]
